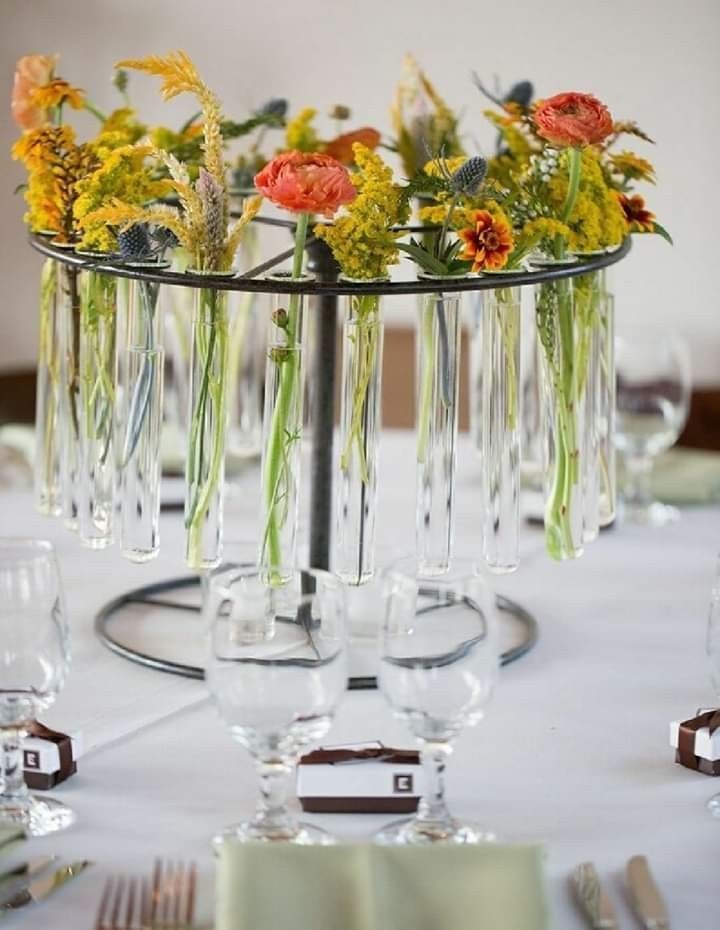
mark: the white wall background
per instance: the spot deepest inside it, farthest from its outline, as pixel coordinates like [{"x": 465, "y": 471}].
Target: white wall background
[{"x": 656, "y": 61}]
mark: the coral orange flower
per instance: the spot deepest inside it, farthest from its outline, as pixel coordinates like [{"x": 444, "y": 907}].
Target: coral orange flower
[
  {"x": 488, "y": 242},
  {"x": 31, "y": 72},
  {"x": 638, "y": 218},
  {"x": 306, "y": 182},
  {"x": 573, "y": 119},
  {"x": 341, "y": 147}
]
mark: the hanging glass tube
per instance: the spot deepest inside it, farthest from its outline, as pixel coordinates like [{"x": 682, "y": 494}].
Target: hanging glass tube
[
  {"x": 68, "y": 310},
  {"x": 564, "y": 369},
  {"x": 437, "y": 366},
  {"x": 606, "y": 409},
  {"x": 359, "y": 438},
  {"x": 139, "y": 420},
  {"x": 48, "y": 498},
  {"x": 282, "y": 435},
  {"x": 97, "y": 398},
  {"x": 501, "y": 433},
  {"x": 244, "y": 439},
  {"x": 207, "y": 423}
]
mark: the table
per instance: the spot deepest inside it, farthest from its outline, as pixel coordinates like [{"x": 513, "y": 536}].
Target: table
[{"x": 574, "y": 751}]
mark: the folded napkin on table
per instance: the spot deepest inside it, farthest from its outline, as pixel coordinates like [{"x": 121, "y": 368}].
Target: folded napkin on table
[
  {"x": 687, "y": 476},
  {"x": 361, "y": 887}
]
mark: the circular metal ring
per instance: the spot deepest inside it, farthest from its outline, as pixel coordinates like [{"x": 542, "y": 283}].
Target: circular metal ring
[{"x": 152, "y": 595}]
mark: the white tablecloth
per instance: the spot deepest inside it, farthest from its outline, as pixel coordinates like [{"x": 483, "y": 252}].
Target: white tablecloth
[{"x": 573, "y": 752}]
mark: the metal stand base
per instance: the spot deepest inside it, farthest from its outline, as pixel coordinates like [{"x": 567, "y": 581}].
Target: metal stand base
[{"x": 156, "y": 596}]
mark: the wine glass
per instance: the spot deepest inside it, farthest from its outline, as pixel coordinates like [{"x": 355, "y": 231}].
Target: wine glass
[
  {"x": 712, "y": 648},
  {"x": 439, "y": 660},
  {"x": 653, "y": 400},
  {"x": 276, "y": 670},
  {"x": 34, "y": 659}
]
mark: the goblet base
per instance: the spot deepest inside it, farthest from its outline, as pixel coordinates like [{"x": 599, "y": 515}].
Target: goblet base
[
  {"x": 414, "y": 832},
  {"x": 713, "y": 805},
  {"x": 37, "y": 816},
  {"x": 299, "y": 834},
  {"x": 655, "y": 514}
]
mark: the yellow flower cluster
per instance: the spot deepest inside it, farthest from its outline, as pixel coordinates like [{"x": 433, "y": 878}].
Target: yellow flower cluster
[
  {"x": 55, "y": 164},
  {"x": 362, "y": 240},
  {"x": 435, "y": 214},
  {"x": 597, "y": 220},
  {"x": 124, "y": 174},
  {"x": 300, "y": 133},
  {"x": 632, "y": 167},
  {"x": 56, "y": 93}
]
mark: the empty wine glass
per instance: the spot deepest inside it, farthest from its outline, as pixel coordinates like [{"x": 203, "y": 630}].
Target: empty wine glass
[
  {"x": 653, "y": 400},
  {"x": 438, "y": 666},
  {"x": 276, "y": 670},
  {"x": 34, "y": 658},
  {"x": 713, "y": 654}
]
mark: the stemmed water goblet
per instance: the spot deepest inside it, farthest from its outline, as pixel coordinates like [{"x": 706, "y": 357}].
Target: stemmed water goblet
[
  {"x": 439, "y": 661},
  {"x": 653, "y": 400},
  {"x": 276, "y": 670},
  {"x": 34, "y": 659}
]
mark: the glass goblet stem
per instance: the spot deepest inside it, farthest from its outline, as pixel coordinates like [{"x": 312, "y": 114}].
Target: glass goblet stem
[
  {"x": 12, "y": 770},
  {"x": 272, "y": 815},
  {"x": 638, "y": 494},
  {"x": 432, "y": 809}
]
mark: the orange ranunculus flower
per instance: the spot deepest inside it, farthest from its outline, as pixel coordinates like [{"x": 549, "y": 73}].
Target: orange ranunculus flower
[
  {"x": 638, "y": 218},
  {"x": 31, "y": 72},
  {"x": 488, "y": 242},
  {"x": 306, "y": 182},
  {"x": 341, "y": 147},
  {"x": 573, "y": 119}
]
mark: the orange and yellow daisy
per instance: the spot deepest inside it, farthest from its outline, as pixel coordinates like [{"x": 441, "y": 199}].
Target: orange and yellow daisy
[
  {"x": 488, "y": 242},
  {"x": 637, "y": 216},
  {"x": 55, "y": 94}
]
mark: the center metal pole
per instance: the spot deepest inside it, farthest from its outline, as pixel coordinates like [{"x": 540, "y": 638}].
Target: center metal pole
[{"x": 323, "y": 373}]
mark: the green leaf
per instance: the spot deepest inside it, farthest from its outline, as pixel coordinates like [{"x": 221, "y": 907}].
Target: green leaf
[
  {"x": 422, "y": 257},
  {"x": 233, "y": 130},
  {"x": 661, "y": 231}
]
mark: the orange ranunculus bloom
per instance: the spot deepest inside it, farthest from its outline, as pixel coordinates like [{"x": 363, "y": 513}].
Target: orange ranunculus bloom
[
  {"x": 638, "y": 218},
  {"x": 31, "y": 72},
  {"x": 488, "y": 242},
  {"x": 573, "y": 119},
  {"x": 341, "y": 147},
  {"x": 306, "y": 182}
]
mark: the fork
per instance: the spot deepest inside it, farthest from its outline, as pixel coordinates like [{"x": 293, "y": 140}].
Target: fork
[{"x": 166, "y": 902}]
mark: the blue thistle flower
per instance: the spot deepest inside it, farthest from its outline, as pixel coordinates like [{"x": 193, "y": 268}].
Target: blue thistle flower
[
  {"x": 520, "y": 93},
  {"x": 469, "y": 177},
  {"x": 134, "y": 243},
  {"x": 276, "y": 106}
]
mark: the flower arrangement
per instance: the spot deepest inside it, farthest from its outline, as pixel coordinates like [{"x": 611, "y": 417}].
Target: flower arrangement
[{"x": 560, "y": 183}]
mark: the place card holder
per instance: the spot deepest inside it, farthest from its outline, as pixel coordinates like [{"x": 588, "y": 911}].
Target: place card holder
[
  {"x": 49, "y": 757},
  {"x": 697, "y": 742},
  {"x": 359, "y": 778}
]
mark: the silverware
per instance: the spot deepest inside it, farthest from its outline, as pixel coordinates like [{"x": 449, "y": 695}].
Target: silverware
[
  {"x": 165, "y": 902},
  {"x": 173, "y": 895},
  {"x": 645, "y": 895},
  {"x": 26, "y": 869},
  {"x": 592, "y": 898},
  {"x": 125, "y": 905},
  {"x": 40, "y": 888}
]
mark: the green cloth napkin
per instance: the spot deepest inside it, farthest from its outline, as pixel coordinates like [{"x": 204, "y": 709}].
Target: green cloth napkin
[
  {"x": 687, "y": 476},
  {"x": 362, "y": 887}
]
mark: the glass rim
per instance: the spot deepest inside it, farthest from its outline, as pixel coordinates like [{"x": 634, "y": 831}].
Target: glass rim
[
  {"x": 408, "y": 567},
  {"x": 253, "y": 570},
  {"x": 34, "y": 549}
]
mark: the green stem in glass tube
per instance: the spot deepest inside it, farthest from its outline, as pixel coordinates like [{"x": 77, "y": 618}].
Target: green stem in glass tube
[
  {"x": 281, "y": 439},
  {"x": 364, "y": 361},
  {"x": 427, "y": 345}
]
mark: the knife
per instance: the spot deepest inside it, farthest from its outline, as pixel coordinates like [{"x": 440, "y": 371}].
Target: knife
[
  {"x": 40, "y": 888},
  {"x": 645, "y": 895},
  {"x": 16, "y": 878},
  {"x": 592, "y": 898}
]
